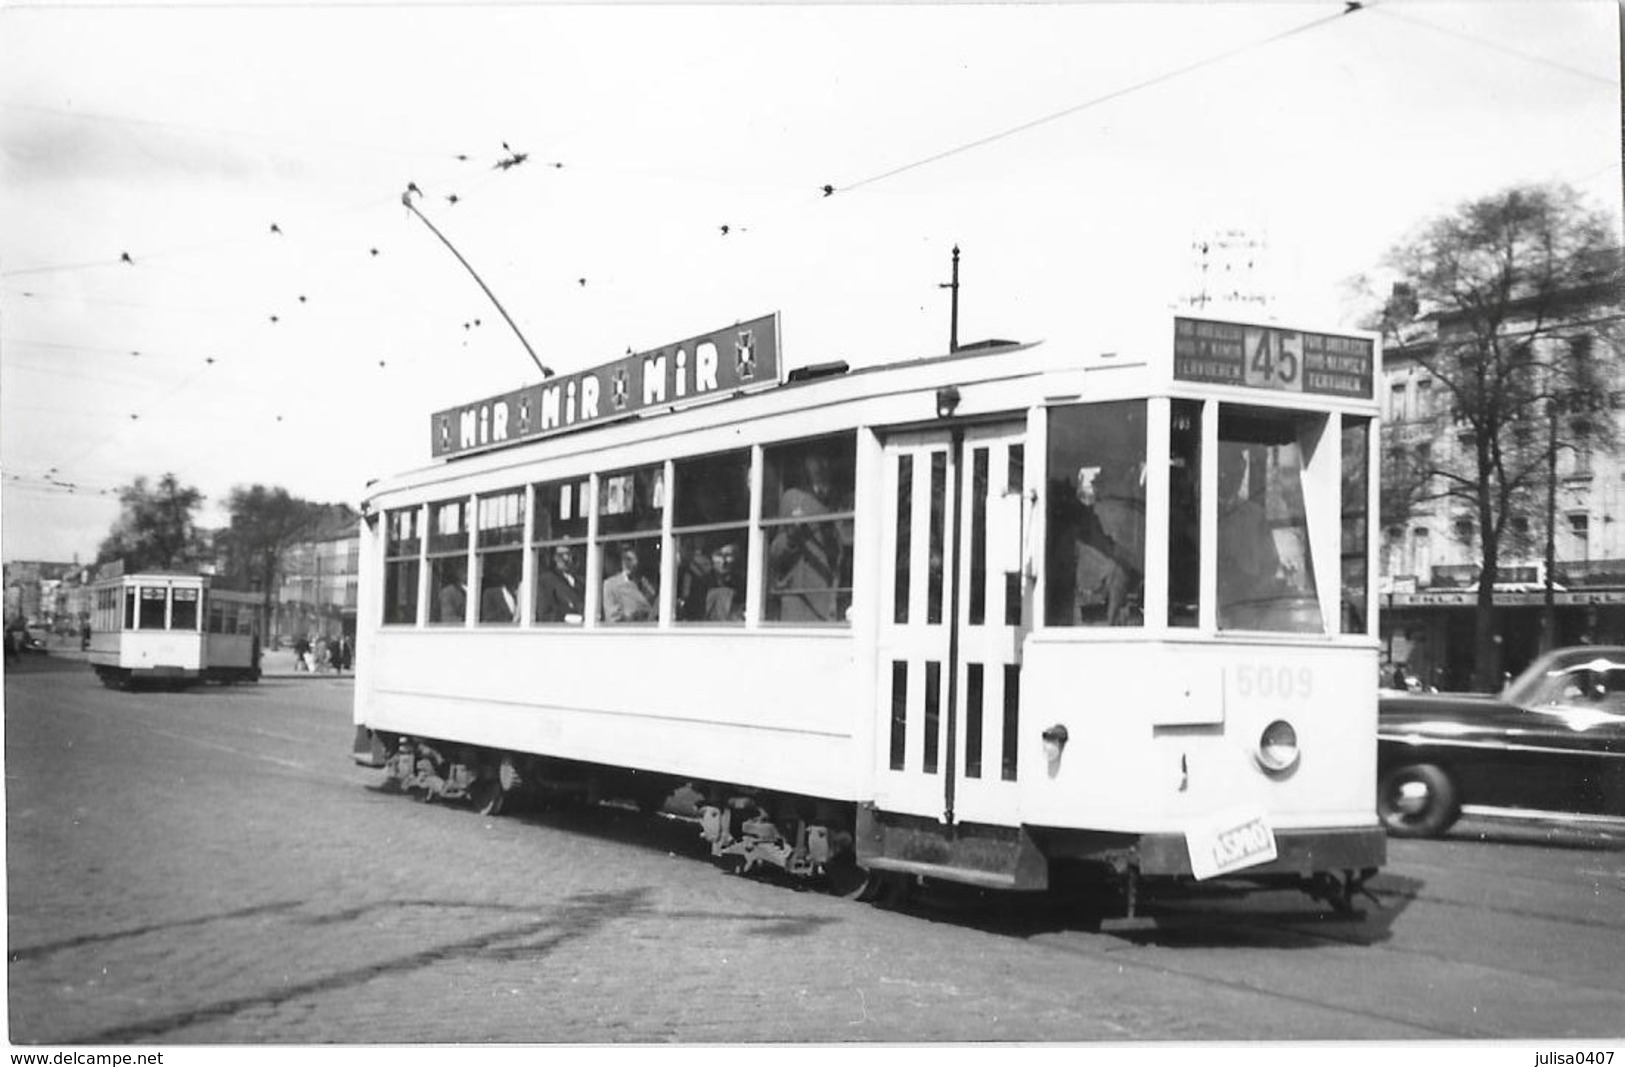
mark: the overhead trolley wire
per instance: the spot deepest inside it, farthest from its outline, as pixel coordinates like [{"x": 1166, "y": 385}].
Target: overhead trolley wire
[{"x": 1115, "y": 94}]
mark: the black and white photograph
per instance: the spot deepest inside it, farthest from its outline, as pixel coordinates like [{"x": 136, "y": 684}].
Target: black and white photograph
[{"x": 746, "y": 530}]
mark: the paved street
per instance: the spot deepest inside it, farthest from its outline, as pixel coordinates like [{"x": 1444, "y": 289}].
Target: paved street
[{"x": 209, "y": 867}]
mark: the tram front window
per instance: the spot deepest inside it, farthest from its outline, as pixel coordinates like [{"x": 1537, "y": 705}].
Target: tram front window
[
  {"x": 183, "y": 612},
  {"x": 154, "y": 600},
  {"x": 1266, "y": 572},
  {"x": 1095, "y": 568}
]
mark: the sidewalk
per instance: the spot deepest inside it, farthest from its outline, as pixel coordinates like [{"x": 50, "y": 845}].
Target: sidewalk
[{"x": 277, "y": 663}]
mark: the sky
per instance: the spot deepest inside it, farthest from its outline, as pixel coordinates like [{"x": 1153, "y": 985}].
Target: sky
[{"x": 206, "y": 267}]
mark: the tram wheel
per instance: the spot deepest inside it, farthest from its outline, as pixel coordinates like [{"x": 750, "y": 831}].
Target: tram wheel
[
  {"x": 489, "y": 797},
  {"x": 845, "y": 878}
]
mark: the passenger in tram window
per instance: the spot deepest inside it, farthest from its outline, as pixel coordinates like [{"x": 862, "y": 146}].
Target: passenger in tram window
[
  {"x": 498, "y": 604},
  {"x": 725, "y": 599},
  {"x": 453, "y": 601},
  {"x": 560, "y": 590},
  {"x": 806, "y": 558},
  {"x": 1097, "y": 547},
  {"x": 629, "y": 596},
  {"x": 695, "y": 583},
  {"x": 1249, "y": 565}
]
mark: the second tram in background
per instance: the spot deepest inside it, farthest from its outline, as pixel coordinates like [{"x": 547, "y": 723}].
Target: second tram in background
[
  {"x": 173, "y": 630},
  {"x": 983, "y": 617}
]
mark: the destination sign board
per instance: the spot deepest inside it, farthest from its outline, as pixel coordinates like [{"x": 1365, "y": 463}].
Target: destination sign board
[
  {"x": 1270, "y": 357},
  {"x": 740, "y": 358}
]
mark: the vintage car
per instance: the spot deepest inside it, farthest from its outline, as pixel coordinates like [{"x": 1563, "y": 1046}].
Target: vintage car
[{"x": 1551, "y": 745}]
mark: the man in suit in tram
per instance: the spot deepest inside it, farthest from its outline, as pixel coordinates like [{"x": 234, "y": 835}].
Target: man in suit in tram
[
  {"x": 559, "y": 593},
  {"x": 629, "y": 596},
  {"x": 498, "y": 604}
]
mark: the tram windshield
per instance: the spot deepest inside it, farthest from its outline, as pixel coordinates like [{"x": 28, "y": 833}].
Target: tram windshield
[
  {"x": 1266, "y": 569},
  {"x": 1272, "y": 485}
]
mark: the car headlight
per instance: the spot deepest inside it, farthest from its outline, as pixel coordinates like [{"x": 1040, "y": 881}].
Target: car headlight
[{"x": 1278, "y": 747}]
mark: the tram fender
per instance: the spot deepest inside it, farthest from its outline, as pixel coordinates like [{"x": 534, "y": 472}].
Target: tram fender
[{"x": 996, "y": 857}]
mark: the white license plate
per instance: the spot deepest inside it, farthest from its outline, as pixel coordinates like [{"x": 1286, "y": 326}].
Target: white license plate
[{"x": 1229, "y": 842}]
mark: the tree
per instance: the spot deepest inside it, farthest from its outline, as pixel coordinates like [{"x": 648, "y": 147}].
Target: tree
[
  {"x": 155, "y": 531},
  {"x": 1509, "y": 303},
  {"x": 265, "y": 523}
]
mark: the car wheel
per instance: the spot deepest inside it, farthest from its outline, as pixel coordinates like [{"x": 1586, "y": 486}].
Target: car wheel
[{"x": 1417, "y": 801}]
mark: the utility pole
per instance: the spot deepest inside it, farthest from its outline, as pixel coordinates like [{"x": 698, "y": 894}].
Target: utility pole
[
  {"x": 953, "y": 314},
  {"x": 1548, "y": 610}
]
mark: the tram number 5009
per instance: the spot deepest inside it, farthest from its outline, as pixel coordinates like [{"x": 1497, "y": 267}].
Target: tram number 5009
[{"x": 1267, "y": 682}]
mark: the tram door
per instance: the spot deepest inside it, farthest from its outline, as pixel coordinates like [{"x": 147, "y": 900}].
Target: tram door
[{"x": 949, "y": 638}]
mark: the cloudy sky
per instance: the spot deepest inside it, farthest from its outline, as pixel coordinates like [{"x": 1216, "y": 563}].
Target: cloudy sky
[{"x": 282, "y": 319}]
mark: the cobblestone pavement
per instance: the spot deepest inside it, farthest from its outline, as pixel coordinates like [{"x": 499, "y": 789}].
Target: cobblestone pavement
[{"x": 208, "y": 867}]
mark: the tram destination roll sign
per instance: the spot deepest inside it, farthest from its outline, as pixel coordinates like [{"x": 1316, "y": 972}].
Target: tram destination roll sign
[
  {"x": 1269, "y": 357},
  {"x": 740, "y": 358}
]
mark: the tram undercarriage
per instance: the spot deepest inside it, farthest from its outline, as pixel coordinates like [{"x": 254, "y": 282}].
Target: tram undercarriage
[{"x": 853, "y": 849}]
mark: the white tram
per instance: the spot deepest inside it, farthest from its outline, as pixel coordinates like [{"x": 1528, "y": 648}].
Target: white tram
[
  {"x": 984, "y": 617},
  {"x": 173, "y": 629}
]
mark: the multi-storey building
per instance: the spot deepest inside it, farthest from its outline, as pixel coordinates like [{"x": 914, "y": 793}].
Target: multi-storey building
[
  {"x": 1430, "y": 558},
  {"x": 318, "y": 588}
]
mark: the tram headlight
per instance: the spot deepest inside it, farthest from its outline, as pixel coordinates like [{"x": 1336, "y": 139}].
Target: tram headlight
[{"x": 1278, "y": 747}]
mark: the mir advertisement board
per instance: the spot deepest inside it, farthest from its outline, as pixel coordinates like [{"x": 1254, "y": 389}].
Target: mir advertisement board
[
  {"x": 740, "y": 358},
  {"x": 1270, "y": 357}
]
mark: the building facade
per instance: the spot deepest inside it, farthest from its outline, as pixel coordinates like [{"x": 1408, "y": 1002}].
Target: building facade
[
  {"x": 1429, "y": 558},
  {"x": 317, "y": 594}
]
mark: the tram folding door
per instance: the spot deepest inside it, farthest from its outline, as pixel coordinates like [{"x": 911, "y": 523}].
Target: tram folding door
[{"x": 949, "y": 636}]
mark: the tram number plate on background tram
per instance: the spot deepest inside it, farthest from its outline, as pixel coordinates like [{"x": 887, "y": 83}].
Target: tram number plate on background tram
[{"x": 1228, "y": 843}]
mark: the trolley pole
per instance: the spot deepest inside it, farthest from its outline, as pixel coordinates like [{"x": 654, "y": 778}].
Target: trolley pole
[
  {"x": 953, "y": 313},
  {"x": 406, "y": 200}
]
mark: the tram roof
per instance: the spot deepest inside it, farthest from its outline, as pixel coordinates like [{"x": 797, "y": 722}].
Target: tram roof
[{"x": 889, "y": 393}]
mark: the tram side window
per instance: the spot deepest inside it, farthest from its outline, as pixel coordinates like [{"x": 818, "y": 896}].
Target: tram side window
[
  {"x": 500, "y": 542},
  {"x": 1356, "y": 485},
  {"x": 132, "y": 597},
  {"x": 183, "y": 612},
  {"x": 217, "y": 618},
  {"x": 153, "y": 602},
  {"x": 807, "y": 529},
  {"x": 1095, "y": 564},
  {"x": 631, "y": 507},
  {"x": 1184, "y": 512},
  {"x": 711, "y": 518},
  {"x": 448, "y": 562},
  {"x": 1266, "y": 578},
  {"x": 402, "y": 541},
  {"x": 561, "y": 551}
]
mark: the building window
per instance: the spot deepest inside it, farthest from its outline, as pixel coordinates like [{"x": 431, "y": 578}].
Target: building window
[
  {"x": 807, "y": 529},
  {"x": 1396, "y": 402},
  {"x": 1424, "y": 398},
  {"x": 561, "y": 551},
  {"x": 448, "y": 563},
  {"x": 1421, "y": 553},
  {"x": 711, "y": 521},
  {"x": 500, "y": 553},
  {"x": 402, "y": 545},
  {"x": 1580, "y": 531},
  {"x": 631, "y": 509}
]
